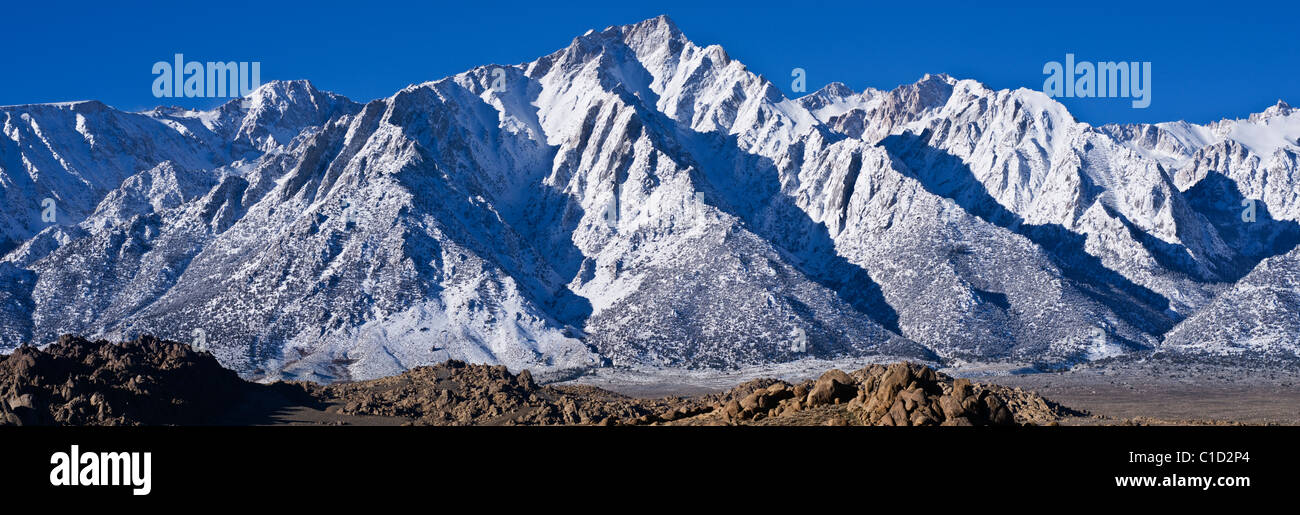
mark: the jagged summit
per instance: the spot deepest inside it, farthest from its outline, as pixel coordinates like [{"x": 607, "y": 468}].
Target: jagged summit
[
  {"x": 837, "y": 89},
  {"x": 1278, "y": 110},
  {"x": 938, "y": 77},
  {"x": 661, "y": 24}
]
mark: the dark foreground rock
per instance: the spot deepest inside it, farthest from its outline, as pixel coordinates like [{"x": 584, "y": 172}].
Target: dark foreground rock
[
  {"x": 141, "y": 382},
  {"x": 155, "y": 382}
]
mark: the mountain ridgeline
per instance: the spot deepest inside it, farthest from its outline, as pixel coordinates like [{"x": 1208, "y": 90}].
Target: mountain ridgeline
[{"x": 635, "y": 199}]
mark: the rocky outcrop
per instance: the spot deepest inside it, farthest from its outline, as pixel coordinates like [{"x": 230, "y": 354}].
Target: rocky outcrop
[
  {"x": 146, "y": 381},
  {"x": 149, "y": 381},
  {"x": 457, "y": 393},
  {"x": 901, "y": 394}
]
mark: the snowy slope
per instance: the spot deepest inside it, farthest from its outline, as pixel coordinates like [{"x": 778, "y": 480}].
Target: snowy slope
[{"x": 1259, "y": 318}]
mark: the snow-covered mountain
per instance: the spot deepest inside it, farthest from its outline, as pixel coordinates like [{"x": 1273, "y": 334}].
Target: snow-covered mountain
[
  {"x": 636, "y": 199},
  {"x": 1242, "y": 175},
  {"x": 1257, "y": 319}
]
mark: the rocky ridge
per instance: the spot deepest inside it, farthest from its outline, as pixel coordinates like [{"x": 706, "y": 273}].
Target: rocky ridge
[
  {"x": 149, "y": 381},
  {"x": 146, "y": 381}
]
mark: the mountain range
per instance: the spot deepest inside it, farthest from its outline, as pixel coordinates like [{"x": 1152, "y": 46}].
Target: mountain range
[{"x": 635, "y": 199}]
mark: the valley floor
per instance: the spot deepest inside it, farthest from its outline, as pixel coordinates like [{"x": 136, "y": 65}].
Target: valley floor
[
  {"x": 1118, "y": 393},
  {"x": 1166, "y": 394}
]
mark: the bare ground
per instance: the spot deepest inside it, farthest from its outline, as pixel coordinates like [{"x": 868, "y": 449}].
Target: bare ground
[{"x": 1164, "y": 394}]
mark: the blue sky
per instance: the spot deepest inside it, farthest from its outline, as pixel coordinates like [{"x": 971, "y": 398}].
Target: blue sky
[{"x": 1208, "y": 61}]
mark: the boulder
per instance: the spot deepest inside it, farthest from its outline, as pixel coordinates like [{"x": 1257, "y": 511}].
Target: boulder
[
  {"x": 833, "y": 386},
  {"x": 899, "y": 414},
  {"x": 961, "y": 388},
  {"x": 732, "y": 409},
  {"x": 951, "y": 407},
  {"x": 525, "y": 380},
  {"x": 958, "y": 421},
  {"x": 22, "y": 401},
  {"x": 897, "y": 377},
  {"x": 912, "y": 398},
  {"x": 998, "y": 412},
  {"x": 925, "y": 416}
]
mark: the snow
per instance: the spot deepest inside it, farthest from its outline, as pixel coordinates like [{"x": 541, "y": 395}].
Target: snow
[{"x": 1266, "y": 138}]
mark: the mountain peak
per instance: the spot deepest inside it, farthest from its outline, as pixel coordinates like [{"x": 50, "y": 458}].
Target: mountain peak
[
  {"x": 294, "y": 92},
  {"x": 649, "y": 33},
  {"x": 286, "y": 88},
  {"x": 1280, "y": 109},
  {"x": 661, "y": 23},
  {"x": 837, "y": 89},
  {"x": 938, "y": 77}
]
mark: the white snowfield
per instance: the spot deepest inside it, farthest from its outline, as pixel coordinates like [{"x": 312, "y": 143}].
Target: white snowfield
[{"x": 637, "y": 200}]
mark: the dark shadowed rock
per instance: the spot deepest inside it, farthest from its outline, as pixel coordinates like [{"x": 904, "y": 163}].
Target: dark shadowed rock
[{"x": 144, "y": 381}]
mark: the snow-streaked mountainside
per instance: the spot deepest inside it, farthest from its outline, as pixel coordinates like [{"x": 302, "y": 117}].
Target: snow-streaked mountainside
[{"x": 636, "y": 199}]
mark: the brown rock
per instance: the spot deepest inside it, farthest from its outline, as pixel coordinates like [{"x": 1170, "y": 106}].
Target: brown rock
[
  {"x": 22, "y": 401},
  {"x": 974, "y": 409},
  {"x": 912, "y": 398},
  {"x": 958, "y": 421},
  {"x": 526, "y": 380},
  {"x": 897, "y": 377},
  {"x": 998, "y": 412},
  {"x": 961, "y": 388},
  {"x": 898, "y": 413},
  {"x": 672, "y": 415},
  {"x": 925, "y": 416},
  {"x": 951, "y": 407},
  {"x": 732, "y": 409},
  {"x": 833, "y": 386}
]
